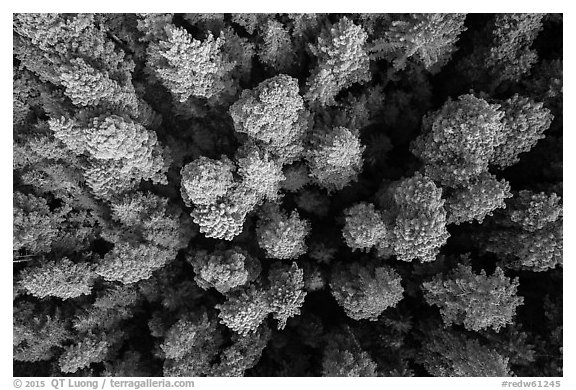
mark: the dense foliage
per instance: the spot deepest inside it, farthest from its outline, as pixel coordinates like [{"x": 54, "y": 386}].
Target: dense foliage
[{"x": 287, "y": 194}]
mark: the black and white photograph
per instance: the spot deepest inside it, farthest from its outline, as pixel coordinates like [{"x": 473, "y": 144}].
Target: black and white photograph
[{"x": 286, "y": 195}]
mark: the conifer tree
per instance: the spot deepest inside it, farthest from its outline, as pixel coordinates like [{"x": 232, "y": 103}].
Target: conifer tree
[
  {"x": 477, "y": 301},
  {"x": 35, "y": 227},
  {"x": 205, "y": 180},
  {"x": 427, "y": 39},
  {"x": 130, "y": 263},
  {"x": 244, "y": 310},
  {"x": 418, "y": 218},
  {"x": 335, "y": 158},
  {"x": 480, "y": 199},
  {"x": 63, "y": 279},
  {"x": 224, "y": 270},
  {"x": 365, "y": 291},
  {"x": 337, "y": 362},
  {"x": 524, "y": 124},
  {"x": 282, "y": 236},
  {"x": 189, "y": 67},
  {"x": 342, "y": 61},
  {"x": 260, "y": 172},
  {"x": 38, "y": 337},
  {"x": 447, "y": 353},
  {"x": 510, "y": 54},
  {"x": 286, "y": 292},
  {"x": 82, "y": 355},
  {"x": 530, "y": 235},
  {"x": 364, "y": 227},
  {"x": 200, "y": 194},
  {"x": 276, "y": 52},
  {"x": 273, "y": 114},
  {"x": 459, "y": 141}
]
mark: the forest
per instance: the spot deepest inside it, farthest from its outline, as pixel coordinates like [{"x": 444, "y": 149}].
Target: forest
[{"x": 287, "y": 195}]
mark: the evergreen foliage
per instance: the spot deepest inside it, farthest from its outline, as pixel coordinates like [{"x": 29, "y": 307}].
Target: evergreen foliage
[
  {"x": 427, "y": 39},
  {"x": 276, "y": 52},
  {"x": 364, "y": 227},
  {"x": 380, "y": 289},
  {"x": 82, "y": 355},
  {"x": 342, "y": 61},
  {"x": 189, "y": 67},
  {"x": 273, "y": 114},
  {"x": 224, "y": 270},
  {"x": 458, "y": 141},
  {"x": 510, "y": 54},
  {"x": 418, "y": 219},
  {"x": 524, "y": 121},
  {"x": 335, "y": 158},
  {"x": 204, "y": 180},
  {"x": 478, "y": 200},
  {"x": 282, "y": 236},
  {"x": 37, "y": 337},
  {"x": 286, "y": 292},
  {"x": 447, "y": 353},
  {"x": 338, "y": 361},
  {"x": 261, "y": 173},
  {"x": 283, "y": 194},
  {"x": 63, "y": 279},
  {"x": 475, "y": 301},
  {"x": 244, "y": 310},
  {"x": 530, "y": 235}
]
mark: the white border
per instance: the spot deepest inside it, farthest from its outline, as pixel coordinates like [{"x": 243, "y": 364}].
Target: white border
[{"x": 300, "y": 6}]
